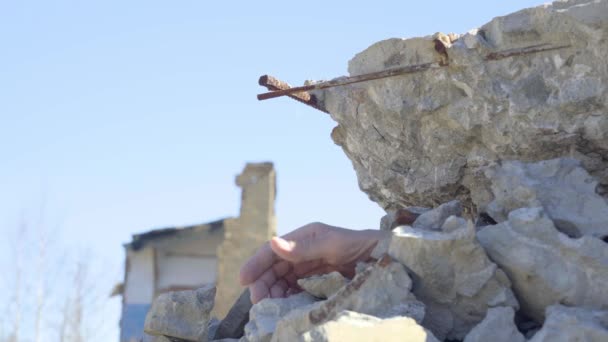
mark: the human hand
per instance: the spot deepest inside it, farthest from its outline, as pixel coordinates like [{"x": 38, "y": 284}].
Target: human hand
[{"x": 316, "y": 248}]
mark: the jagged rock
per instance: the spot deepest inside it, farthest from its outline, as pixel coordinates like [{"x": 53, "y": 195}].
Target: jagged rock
[
  {"x": 546, "y": 266},
  {"x": 565, "y": 191},
  {"x": 233, "y": 325},
  {"x": 212, "y": 326},
  {"x": 498, "y": 326},
  {"x": 381, "y": 290},
  {"x": 264, "y": 315},
  {"x": 564, "y": 324},
  {"x": 323, "y": 286},
  {"x": 434, "y": 219},
  {"x": 353, "y": 326},
  {"x": 452, "y": 276},
  {"x": 426, "y": 138},
  {"x": 181, "y": 314}
]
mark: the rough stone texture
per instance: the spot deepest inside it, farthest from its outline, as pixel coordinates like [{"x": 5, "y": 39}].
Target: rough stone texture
[
  {"x": 452, "y": 276},
  {"x": 565, "y": 191},
  {"x": 181, "y": 314},
  {"x": 255, "y": 225},
  {"x": 546, "y": 266},
  {"x": 233, "y": 325},
  {"x": 381, "y": 290},
  {"x": 434, "y": 219},
  {"x": 564, "y": 324},
  {"x": 264, "y": 315},
  {"x": 323, "y": 286},
  {"x": 498, "y": 326},
  {"x": 212, "y": 326},
  {"x": 353, "y": 326},
  {"x": 426, "y": 138}
]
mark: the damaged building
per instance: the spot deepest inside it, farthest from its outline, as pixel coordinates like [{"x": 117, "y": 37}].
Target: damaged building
[
  {"x": 186, "y": 258},
  {"x": 494, "y": 145}
]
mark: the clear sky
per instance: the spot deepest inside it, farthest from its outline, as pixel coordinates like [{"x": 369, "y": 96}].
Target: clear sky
[{"x": 122, "y": 116}]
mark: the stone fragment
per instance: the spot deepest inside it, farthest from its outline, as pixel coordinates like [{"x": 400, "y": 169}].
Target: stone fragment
[
  {"x": 452, "y": 276},
  {"x": 565, "y": 324},
  {"x": 546, "y": 266},
  {"x": 498, "y": 326},
  {"x": 233, "y": 325},
  {"x": 427, "y": 138},
  {"x": 212, "y": 326},
  {"x": 382, "y": 290},
  {"x": 264, "y": 315},
  {"x": 353, "y": 326},
  {"x": 565, "y": 191},
  {"x": 323, "y": 286},
  {"x": 434, "y": 219},
  {"x": 181, "y": 314}
]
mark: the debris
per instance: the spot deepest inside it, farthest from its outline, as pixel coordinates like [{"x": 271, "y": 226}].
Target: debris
[{"x": 181, "y": 314}]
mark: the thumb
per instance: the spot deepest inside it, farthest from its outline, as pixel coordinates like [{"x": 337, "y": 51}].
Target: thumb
[{"x": 300, "y": 250}]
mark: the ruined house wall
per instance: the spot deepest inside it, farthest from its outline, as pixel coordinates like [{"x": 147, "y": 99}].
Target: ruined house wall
[{"x": 255, "y": 225}]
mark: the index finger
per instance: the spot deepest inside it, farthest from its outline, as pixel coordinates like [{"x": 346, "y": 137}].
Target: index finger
[{"x": 262, "y": 260}]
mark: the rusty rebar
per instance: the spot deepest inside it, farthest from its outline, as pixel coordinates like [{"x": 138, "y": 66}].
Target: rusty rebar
[
  {"x": 493, "y": 56},
  {"x": 352, "y": 79},
  {"x": 299, "y": 93},
  {"x": 274, "y": 84}
]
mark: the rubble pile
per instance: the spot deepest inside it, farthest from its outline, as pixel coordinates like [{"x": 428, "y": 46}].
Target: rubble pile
[{"x": 503, "y": 163}]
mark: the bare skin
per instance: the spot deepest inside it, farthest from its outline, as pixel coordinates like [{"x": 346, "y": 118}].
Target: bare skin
[{"x": 315, "y": 248}]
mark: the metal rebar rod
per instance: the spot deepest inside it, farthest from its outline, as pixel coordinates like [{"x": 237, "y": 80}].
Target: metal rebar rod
[
  {"x": 298, "y": 92},
  {"x": 274, "y": 84},
  {"x": 493, "y": 56},
  {"x": 353, "y": 79}
]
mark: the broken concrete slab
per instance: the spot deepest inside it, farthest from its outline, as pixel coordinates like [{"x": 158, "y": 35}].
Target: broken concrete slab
[
  {"x": 265, "y": 315},
  {"x": 380, "y": 290},
  {"x": 565, "y": 191},
  {"x": 545, "y": 266},
  {"x": 181, "y": 314},
  {"x": 426, "y": 138},
  {"x": 323, "y": 286},
  {"x": 452, "y": 276},
  {"x": 565, "y": 324},
  {"x": 354, "y": 326},
  {"x": 497, "y": 326},
  {"x": 434, "y": 219}
]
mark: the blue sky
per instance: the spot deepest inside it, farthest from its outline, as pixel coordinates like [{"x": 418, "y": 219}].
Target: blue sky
[{"x": 122, "y": 116}]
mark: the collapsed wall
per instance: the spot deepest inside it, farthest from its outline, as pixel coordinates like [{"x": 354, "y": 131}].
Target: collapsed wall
[
  {"x": 426, "y": 138},
  {"x": 500, "y": 156}
]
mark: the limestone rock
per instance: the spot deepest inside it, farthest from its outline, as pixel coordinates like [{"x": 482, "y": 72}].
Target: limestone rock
[
  {"x": 434, "y": 219},
  {"x": 498, "y": 326},
  {"x": 212, "y": 326},
  {"x": 564, "y": 324},
  {"x": 546, "y": 266},
  {"x": 264, "y": 315},
  {"x": 426, "y": 138},
  {"x": 353, "y": 326},
  {"x": 181, "y": 314},
  {"x": 452, "y": 276},
  {"x": 381, "y": 290},
  {"x": 565, "y": 191},
  {"x": 323, "y": 286}
]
